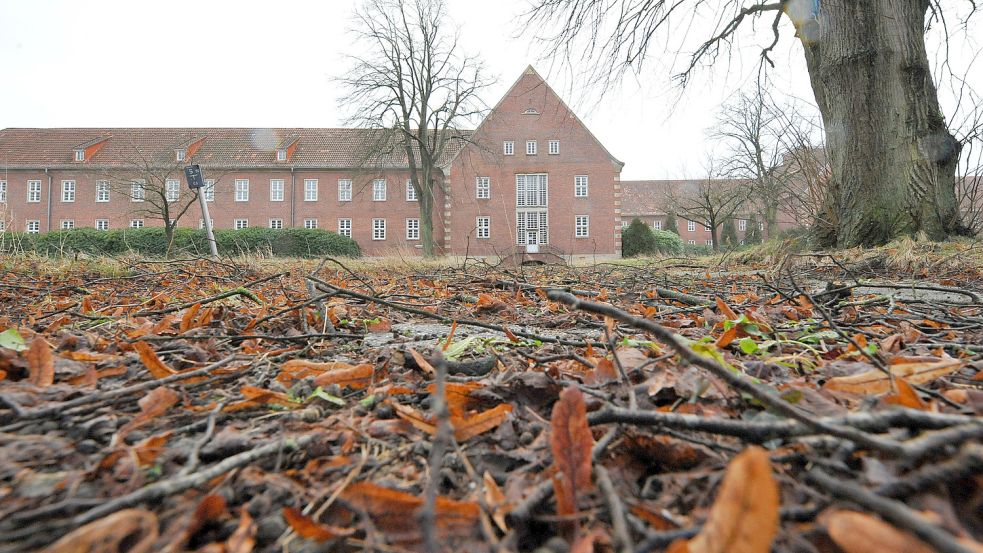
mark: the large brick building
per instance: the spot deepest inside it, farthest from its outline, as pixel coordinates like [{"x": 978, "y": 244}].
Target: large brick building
[{"x": 531, "y": 177}]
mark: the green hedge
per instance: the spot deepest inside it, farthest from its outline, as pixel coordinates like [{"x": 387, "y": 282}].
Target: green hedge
[
  {"x": 638, "y": 239},
  {"x": 293, "y": 242},
  {"x": 667, "y": 242}
]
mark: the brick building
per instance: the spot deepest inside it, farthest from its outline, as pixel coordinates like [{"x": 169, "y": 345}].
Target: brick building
[{"x": 531, "y": 178}]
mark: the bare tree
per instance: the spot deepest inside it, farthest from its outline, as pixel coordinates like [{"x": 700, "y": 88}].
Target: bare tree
[
  {"x": 417, "y": 87},
  {"x": 709, "y": 201},
  {"x": 891, "y": 155}
]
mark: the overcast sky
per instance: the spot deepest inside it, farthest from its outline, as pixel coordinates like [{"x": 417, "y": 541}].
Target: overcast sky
[{"x": 247, "y": 63}]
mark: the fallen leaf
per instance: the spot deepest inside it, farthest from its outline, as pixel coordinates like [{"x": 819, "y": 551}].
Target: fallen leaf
[
  {"x": 860, "y": 533},
  {"x": 40, "y": 363},
  {"x": 243, "y": 540},
  {"x": 876, "y": 381},
  {"x": 150, "y": 360},
  {"x": 357, "y": 377},
  {"x": 906, "y": 396},
  {"x": 396, "y": 513},
  {"x": 489, "y": 303},
  {"x": 466, "y": 428},
  {"x": 152, "y": 405},
  {"x": 188, "y": 319},
  {"x": 571, "y": 443},
  {"x": 725, "y": 310},
  {"x": 307, "y": 528},
  {"x": 149, "y": 449},
  {"x": 130, "y": 530}
]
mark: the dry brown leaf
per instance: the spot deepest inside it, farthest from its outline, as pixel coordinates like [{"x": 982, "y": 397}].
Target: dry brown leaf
[
  {"x": 243, "y": 540},
  {"x": 130, "y": 530},
  {"x": 258, "y": 397},
  {"x": 489, "y": 303},
  {"x": 40, "y": 363},
  {"x": 357, "y": 377},
  {"x": 150, "y": 360},
  {"x": 188, "y": 319},
  {"x": 308, "y": 528},
  {"x": 725, "y": 310},
  {"x": 152, "y": 405},
  {"x": 496, "y": 502},
  {"x": 877, "y": 382},
  {"x": 861, "y": 533},
  {"x": 571, "y": 443},
  {"x": 906, "y": 396},
  {"x": 396, "y": 512},
  {"x": 466, "y": 428},
  {"x": 414, "y": 417},
  {"x": 149, "y": 449},
  {"x": 422, "y": 362},
  {"x": 744, "y": 517}
]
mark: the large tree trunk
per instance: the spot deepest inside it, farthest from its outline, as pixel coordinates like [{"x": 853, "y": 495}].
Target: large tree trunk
[
  {"x": 426, "y": 220},
  {"x": 892, "y": 158}
]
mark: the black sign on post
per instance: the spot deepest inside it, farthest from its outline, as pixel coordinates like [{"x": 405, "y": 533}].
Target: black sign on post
[{"x": 193, "y": 174}]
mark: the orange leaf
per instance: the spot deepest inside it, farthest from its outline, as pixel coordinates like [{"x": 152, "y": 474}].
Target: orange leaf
[
  {"x": 422, "y": 361},
  {"x": 744, "y": 517},
  {"x": 189, "y": 318},
  {"x": 414, "y": 417},
  {"x": 357, "y": 377},
  {"x": 395, "y": 512},
  {"x": 469, "y": 427},
  {"x": 257, "y": 397},
  {"x": 149, "y": 449},
  {"x": 571, "y": 442},
  {"x": 487, "y": 302},
  {"x": 307, "y": 528},
  {"x": 859, "y": 533},
  {"x": 132, "y": 530},
  {"x": 727, "y": 337},
  {"x": 380, "y": 325},
  {"x": 243, "y": 540},
  {"x": 87, "y": 305},
  {"x": 906, "y": 396},
  {"x": 152, "y": 405},
  {"x": 450, "y": 336},
  {"x": 150, "y": 360},
  {"x": 40, "y": 363},
  {"x": 725, "y": 310},
  {"x": 605, "y": 372},
  {"x": 876, "y": 381},
  {"x": 510, "y": 335}
]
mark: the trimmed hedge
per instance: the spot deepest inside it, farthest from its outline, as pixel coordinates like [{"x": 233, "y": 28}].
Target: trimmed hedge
[
  {"x": 667, "y": 242},
  {"x": 292, "y": 242}
]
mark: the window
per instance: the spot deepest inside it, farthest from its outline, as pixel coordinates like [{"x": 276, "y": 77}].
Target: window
[
  {"x": 580, "y": 186},
  {"x": 68, "y": 191},
  {"x": 240, "y": 224},
  {"x": 412, "y": 229},
  {"x": 79, "y": 155},
  {"x": 554, "y": 147},
  {"x": 532, "y": 227},
  {"x": 33, "y": 227},
  {"x": 530, "y": 147},
  {"x": 483, "y": 226},
  {"x": 657, "y": 225},
  {"x": 209, "y": 190},
  {"x": 310, "y": 223},
  {"x": 102, "y": 190},
  {"x": 276, "y": 190},
  {"x": 67, "y": 224},
  {"x": 624, "y": 224},
  {"x": 483, "y": 185},
  {"x": 172, "y": 190},
  {"x": 378, "y": 229},
  {"x": 310, "y": 190},
  {"x": 201, "y": 223},
  {"x": 508, "y": 147},
  {"x": 709, "y": 242},
  {"x": 242, "y": 190},
  {"x": 138, "y": 190},
  {"x": 345, "y": 227},
  {"x": 3, "y": 191},
  {"x": 33, "y": 191},
  {"x": 345, "y": 190},
  {"x": 530, "y": 190},
  {"x": 706, "y": 226},
  {"x": 691, "y": 226},
  {"x": 411, "y": 191},
  {"x": 102, "y": 224},
  {"x": 379, "y": 190},
  {"x": 179, "y": 155},
  {"x": 742, "y": 224},
  {"x": 581, "y": 226},
  {"x": 691, "y": 242},
  {"x": 276, "y": 224},
  {"x": 136, "y": 223},
  {"x": 761, "y": 226},
  {"x": 281, "y": 155}
]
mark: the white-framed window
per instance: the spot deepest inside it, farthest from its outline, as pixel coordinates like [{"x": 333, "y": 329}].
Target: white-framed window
[
  {"x": 136, "y": 223},
  {"x": 483, "y": 227},
  {"x": 79, "y": 155},
  {"x": 657, "y": 225},
  {"x": 242, "y": 190},
  {"x": 761, "y": 225},
  {"x": 411, "y": 191},
  {"x": 68, "y": 191},
  {"x": 530, "y": 147},
  {"x": 102, "y": 224},
  {"x": 554, "y": 147},
  {"x": 276, "y": 224},
  {"x": 33, "y": 226},
  {"x": 706, "y": 227},
  {"x": 379, "y": 190},
  {"x": 67, "y": 224},
  {"x": 412, "y": 229},
  {"x": 531, "y": 190},
  {"x": 691, "y": 226},
  {"x": 624, "y": 224},
  {"x": 310, "y": 223},
  {"x": 691, "y": 242},
  {"x": 201, "y": 223},
  {"x": 3, "y": 191},
  {"x": 172, "y": 190},
  {"x": 378, "y": 229},
  {"x": 508, "y": 147},
  {"x": 581, "y": 226},
  {"x": 240, "y": 224},
  {"x": 209, "y": 190},
  {"x": 310, "y": 190},
  {"x": 709, "y": 242},
  {"x": 483, "y": 188},
  {"x": 276, "y": 190},
  {"x": 102, "y": 191},
  {"x": 33, "y": 191},
  {"x": 281, "y": 155},
  {"x": 138, "y": 190},
  {"x": 179, "y": 155},
  {"x": 532, "y": 226},
  {"x": 742, "y": 225},
  {"x": 345, "y": 227},
  {"x": 345, "y": 190},
  {"x": 580, "y": 186}
]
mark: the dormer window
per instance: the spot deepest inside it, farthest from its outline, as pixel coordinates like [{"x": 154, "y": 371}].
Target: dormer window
[
  {"x": 179, "y": 155},
  {"x": 281, "y": 154},
  {"x": 530, "y": 111},
  {"x": 80, "y": 155}
]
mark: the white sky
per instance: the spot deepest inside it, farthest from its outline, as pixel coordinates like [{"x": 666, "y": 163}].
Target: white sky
[{"x": 247, "y": 63}]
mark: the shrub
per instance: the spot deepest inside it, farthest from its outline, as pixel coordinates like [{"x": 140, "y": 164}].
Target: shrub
[
  {"x": 667, "y": 242},
  {"x": 84, "y": 240},
  {"x": 728, "y": 234},
  {"x": 753, "y": 234},
  {"x": 671, "y": 225},
  {"x": 637, "y": 239}
]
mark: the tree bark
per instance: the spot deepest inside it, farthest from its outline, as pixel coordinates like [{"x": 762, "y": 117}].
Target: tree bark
[{"x": 892, "y": 158}]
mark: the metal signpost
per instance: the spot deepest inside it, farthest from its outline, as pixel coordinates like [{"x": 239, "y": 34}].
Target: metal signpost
[{"x": 195, "y": 182}]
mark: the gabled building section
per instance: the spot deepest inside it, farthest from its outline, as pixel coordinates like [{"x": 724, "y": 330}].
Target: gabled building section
[
  {"x": 285, "y": 150},
  {"x": 188, "y": 148},
  {"x": 86, "y": 151}
]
